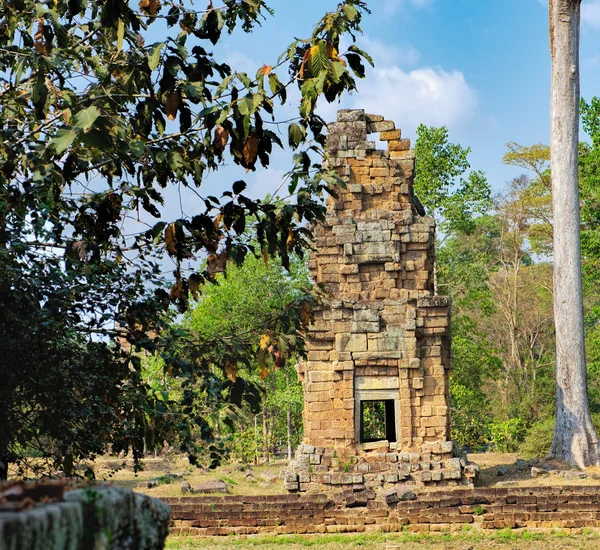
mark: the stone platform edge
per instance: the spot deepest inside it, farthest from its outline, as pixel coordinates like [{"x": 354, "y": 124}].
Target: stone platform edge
[{"x": 566, "y": 507}]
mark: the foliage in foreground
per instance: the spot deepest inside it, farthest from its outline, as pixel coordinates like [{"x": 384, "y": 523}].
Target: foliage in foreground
[
  {"x": 252, "y": 305},
  {"x": 99, "y": 125}
]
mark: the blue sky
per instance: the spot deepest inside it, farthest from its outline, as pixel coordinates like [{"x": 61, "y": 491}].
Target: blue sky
[{"x": 480, "y": 67}]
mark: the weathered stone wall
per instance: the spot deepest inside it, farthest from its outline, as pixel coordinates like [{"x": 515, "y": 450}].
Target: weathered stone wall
[
  {"x": 105, "y": 518},
  {"x": 533, "y": 507},
  {"x": 383, "y": 335}
]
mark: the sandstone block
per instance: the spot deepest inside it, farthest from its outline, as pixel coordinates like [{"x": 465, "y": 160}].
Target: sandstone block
[
  {"x": 351, "y": 342},
  {"x": 391, "y": 134},
  {"x": 211, "y": 487},
  {"x": 403, "y": 155},
  {"x": 399, "y": 145},
  {"x": 381, "y": 126},
  {"x": 350, "y": 115}
]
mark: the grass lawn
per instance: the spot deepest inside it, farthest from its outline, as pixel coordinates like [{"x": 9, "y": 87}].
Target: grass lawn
[{"x": 468, "y": 539}]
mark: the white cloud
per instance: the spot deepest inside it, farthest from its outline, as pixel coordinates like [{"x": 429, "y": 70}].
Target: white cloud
[
  {"x": 428, "y": 95},
  {"x": 590, "y": 13}
]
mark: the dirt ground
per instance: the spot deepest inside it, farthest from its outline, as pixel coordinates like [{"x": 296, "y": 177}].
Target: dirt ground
[
  {"x": 166, "y": 475},
  {"x": 509, "y": 470}
]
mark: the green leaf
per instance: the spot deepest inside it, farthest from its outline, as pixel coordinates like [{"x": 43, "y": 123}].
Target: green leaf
[
  {"x": 137, "y": 147},
  {"x": 295, "y": 135},
  {"x": 318, "y": 60},
  {"x": 212, "y": 24},
  {"x": 223, "y": 86},
  {"x": 246, "y": 105},
  {"x": 351, "y": 12},
  {"x": 239, "y": 186},
  {"x": 364, "y": 54},
  {"x": 277, "y": 88},
  {"x": 356, "y": 64},
  {"x": 208, "y": 111},
  {"x": 194, "y": 90},
  {"x": 120, "y": 34},
  {"x": 85, "y": 119},
  {"x": 154, "y": 55},
  {"x": 338, "y": 70},
  {"x": 63, "y": 140}
]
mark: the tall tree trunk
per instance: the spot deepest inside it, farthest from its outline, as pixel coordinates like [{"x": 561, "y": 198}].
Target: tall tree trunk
[{"x": 575, "y": 438}]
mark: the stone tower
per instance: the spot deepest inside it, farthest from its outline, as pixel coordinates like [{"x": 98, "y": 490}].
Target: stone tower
[{"x": 375, "y": 381}]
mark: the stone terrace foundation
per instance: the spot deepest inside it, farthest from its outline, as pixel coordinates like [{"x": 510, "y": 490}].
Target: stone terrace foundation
[
  {"x": 375, "y": 381},
  {"x": 440, "y": 510}
]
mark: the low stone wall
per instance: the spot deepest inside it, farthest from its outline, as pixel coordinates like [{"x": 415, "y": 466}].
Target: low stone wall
[
  {"x": 106, "y": 517},
  {"x": 532, "y": 507}
]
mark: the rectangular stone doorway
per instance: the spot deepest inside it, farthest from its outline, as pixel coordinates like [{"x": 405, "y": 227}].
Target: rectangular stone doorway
[
  {"x": 376, "y": 416},
  {"x": 377, "y": 421}
]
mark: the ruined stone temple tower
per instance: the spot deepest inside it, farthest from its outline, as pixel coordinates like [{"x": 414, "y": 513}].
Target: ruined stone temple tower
[{"x": 375, "y": 381}]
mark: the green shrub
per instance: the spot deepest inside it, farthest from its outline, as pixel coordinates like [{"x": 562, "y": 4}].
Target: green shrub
[
  {"x": 538, "y": 440},
  {"x": 470, "y": 418},
  {"x": 505, "y": 435},
  {"x": 245, "y": 445}
]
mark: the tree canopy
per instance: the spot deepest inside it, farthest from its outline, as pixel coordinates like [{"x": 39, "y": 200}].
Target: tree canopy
[{"x": 99, "y": 121}]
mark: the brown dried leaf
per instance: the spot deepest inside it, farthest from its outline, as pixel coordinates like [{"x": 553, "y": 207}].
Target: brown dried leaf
[
  {"x": 217, "y": 222},
  {"x": 194, "y": 283},
  {"x": 172, "y": 105},
  {"x": 332, "y": 52},
  {"x": 230, "y": 370},
  {"x": 221, "y": 139},
  {"x": 250, "y": 149},
  {"x": 266, "y": 69},
  {"x": 265, "y": 256},
  {"x": 39, "y": 43},
  {"x": 171, "y": 239},
  {"x": 216, "y": 263},
  {"x": 26, "y": 504},
  {"x": 279, "y": 359},
  {"x": 149, "y": 6},
  {"x": 176, "y": 290}
]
